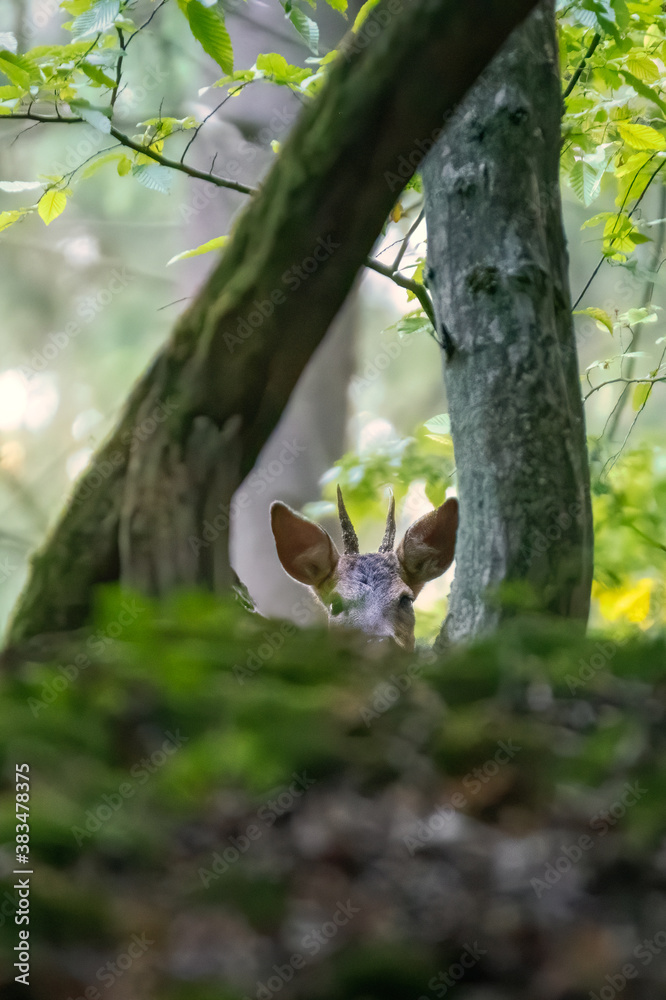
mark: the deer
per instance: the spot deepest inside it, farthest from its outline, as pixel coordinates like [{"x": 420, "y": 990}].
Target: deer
[{"x": 372, "y": 592}]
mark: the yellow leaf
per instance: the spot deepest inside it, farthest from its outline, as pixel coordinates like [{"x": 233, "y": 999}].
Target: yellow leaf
[
  {"x": 51, "y": 205},
  {"x": 630, "y": 602},
  {"x": 215, "y": 244},
  {"x": 641, "y": 395},
  {"x": 8, "y": 219},
  {"x": 602, "y": 318},
  {"x": 124, "y": 166}
]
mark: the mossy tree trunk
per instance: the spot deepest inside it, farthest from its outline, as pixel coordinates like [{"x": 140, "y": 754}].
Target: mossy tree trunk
[
  {"x": 498, "y": 272},
  {"x": 197, "y": 420}
]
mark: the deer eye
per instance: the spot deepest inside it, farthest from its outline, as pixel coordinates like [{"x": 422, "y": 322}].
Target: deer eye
[
  {"x": 337, "y": 607},
  {"x": 405, "y": 602}
]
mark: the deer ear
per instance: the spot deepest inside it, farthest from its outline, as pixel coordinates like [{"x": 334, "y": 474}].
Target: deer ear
[
  {"x": 305, "y": 550},
  {"x": 429, "y": 545}
]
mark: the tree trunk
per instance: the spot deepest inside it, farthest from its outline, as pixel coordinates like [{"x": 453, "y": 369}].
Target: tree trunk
[
  {"x": 497, "y": 269},
  {"x": 199, "y": 417}
]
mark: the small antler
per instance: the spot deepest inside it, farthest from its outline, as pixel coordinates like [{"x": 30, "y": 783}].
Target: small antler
[
  {"x": 389, "y": 534},
  {"x": 348, "y": 534}
]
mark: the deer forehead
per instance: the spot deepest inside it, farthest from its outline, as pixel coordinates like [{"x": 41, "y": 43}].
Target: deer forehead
[{"x": 373, "y": 574}]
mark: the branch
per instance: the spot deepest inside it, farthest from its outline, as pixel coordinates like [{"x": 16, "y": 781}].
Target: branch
[
  {"x": 125, "y": 140},
  {"x": 624, "y": 381},
  {"x": 415, "y": 287},
  {"x": 119, "y": 66},
  {"x": 581, "y": 66}
]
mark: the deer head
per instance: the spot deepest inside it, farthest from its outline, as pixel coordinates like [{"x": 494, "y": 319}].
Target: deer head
[{"x": 374, "y": 591}]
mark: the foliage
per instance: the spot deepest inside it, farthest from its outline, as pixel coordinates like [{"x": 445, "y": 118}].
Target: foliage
[
  {"x": 629, "y": 515},
  {"x": 612, "y": 63},
  {"x": 80, "y": 81},
  {"x": 425, "y": 460}
]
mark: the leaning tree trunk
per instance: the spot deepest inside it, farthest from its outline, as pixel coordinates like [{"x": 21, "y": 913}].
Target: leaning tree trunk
[
  {"x": 497, "y": 269},
  {"x": 158, "y": 495}
]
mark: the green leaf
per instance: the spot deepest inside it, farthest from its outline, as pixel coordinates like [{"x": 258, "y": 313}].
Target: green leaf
[
  {"x": 214, "y": 244},
  {"x": 9, "y": 65},
  {"x": 596, "y": 220},
  {"x": 633, "y": 164},
  {"x": 600, "y": 315},
  {"x": 640, "y": 238},
  {"x": 339, "y": 5},
  {"x": 622, "y": 15},
  {"x": 635, "y": 316},
  {"x": 97, "y": 75},
  {"x": 275, "y": 66},
  {"x": 98, "y": 19},
  {"x": 166, "y": 126},
  {"x": 51, "y": 205},
  {"x": 306, "y": 28},
  {"x": 583, "y": 180},
  {"x": 621, "y": 236},
  {"x": 643, "y": 89},
  {"x": 642, "y": 67},
  {"x": 155, "y": 178},
  {"x": 93, "y": 116},
  {"x": 640, "y": 395},
  {"x": 641, "y": 136},
  {"x": 435, "y": 493},
  {"x": 410, "y": 324},
  {"x": 439, "y": 425},
  {"x": 210, "y": 31}
]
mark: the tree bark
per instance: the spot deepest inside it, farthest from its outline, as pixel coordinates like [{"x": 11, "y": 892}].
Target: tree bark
[
  {"x": 498, "y": 272},
  {"x": 219, "y": 386}
]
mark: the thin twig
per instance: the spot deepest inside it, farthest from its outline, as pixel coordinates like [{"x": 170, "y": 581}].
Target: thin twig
[
  {"x": 145, "y": 24},
  {"x": 93, "y": 156},
  {"x": 125, "y": 140},
  {"x": 647, "y": 299},
  {"x": 629, "y": 215},
  {"x": 201, "y": 124},
  {"x": 405, "y": 242},
  {"x": 611, "y": 462}
]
